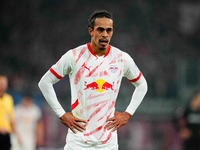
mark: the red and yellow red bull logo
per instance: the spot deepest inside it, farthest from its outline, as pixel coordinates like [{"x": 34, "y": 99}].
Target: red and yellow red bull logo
[{"x": 99, "y": 85}]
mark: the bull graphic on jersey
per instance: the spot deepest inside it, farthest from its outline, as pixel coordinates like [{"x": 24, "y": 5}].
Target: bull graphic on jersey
[
  {"x": 107, "y": 86},
  {"x": 99, "y": 85},
  {"x": 92, "y": 85}
]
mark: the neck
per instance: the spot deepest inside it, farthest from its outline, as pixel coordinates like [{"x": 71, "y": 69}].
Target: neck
[{"x": 97, "y": 51}]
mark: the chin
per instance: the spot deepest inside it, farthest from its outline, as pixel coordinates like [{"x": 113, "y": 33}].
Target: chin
[{"x": 103, "y": 47}]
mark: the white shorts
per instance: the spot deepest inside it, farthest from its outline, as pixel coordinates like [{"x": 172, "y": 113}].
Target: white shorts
[{"x": 75, "y": 143}]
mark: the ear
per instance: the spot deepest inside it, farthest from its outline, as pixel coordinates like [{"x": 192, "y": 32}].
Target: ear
[{"x": 90, "y": 30}]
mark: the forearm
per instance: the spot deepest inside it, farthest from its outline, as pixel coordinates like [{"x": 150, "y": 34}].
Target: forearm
[
  {"x": 138, "y": 95},
  {"x": 40, "y": 133},
  {"x": 17, "y": 135},
  {"x": 13, "y": 127},
  {"x": 46, "y": 87}
]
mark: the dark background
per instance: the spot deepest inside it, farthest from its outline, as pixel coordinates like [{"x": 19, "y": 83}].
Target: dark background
[{"x": 163, "y": 37}]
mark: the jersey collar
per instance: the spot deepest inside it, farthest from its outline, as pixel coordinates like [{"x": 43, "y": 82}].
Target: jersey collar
[{"x": 91, "y": 51}]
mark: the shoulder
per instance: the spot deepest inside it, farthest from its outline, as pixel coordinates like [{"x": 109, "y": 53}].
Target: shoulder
[
  {"x": 35, "y": 107},
  {"x": 120, "y": 54},
  {"x": 72, "y": 53},
  {"x": 116, "y": 50},
  {"x": 79, "y": 49},
  {"x": 8, "y": 97},
  {"x": 8, "y": 100}
]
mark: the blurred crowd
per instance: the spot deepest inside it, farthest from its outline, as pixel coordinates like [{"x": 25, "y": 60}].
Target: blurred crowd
[
  {"x": 157, "y": 34},
  {"x": 163, "y": 37}
]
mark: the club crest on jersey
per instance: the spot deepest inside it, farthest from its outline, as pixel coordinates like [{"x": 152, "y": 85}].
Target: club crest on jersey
[{"x": 113, "y": 68}]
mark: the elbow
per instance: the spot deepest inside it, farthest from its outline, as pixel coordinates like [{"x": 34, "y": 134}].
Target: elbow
[
  {"x": 45, "y": 82},
  {"x": 40, "y": 84},
  {"x": 145, "y": 87}
]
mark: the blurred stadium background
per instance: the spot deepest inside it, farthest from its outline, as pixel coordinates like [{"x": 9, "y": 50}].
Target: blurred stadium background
[{"x": 163, "y": 37}]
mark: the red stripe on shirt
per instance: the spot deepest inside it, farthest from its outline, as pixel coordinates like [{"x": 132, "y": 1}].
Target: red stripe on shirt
[
  {"x": 104, "y": 131},
  {"x": 109, "y": 107},
  {"x": 75, "y": 104},
  {"x": 94, "y": 131},
  {"x": 55, "y": 74},
  {"x": 91, "y": 72},
  {"x": 81, "y": 53},
  {"x": 96, "y": 111},
  {"x": 109, "y": 136},
  {"x": 92, "y": 106},
  {"x": 80, "y": 72},
  {"x": 136, "y": 79}
]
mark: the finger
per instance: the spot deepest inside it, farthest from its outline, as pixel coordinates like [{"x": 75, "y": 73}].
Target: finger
[
  {"x": 80, "y": 120},
  {"x": 112, "y": 126},
  {"x": 72, "y": 129},
  {"x": 116, "y": 127},
  {"x": 110, "y": 119},
  {"x": 108, "y": 124},
  {"x": 80, "y": 126},
  {"x": 85, "y": 125}
]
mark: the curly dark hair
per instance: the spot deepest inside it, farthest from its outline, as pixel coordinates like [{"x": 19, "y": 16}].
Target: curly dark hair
[{"x": 98, "y": 14}]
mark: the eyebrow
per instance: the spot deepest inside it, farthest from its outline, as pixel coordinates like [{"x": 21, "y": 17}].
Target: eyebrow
[{"x": 102, "y": 29}]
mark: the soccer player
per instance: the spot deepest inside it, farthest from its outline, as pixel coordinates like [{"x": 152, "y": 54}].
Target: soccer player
[
  {"x": 189, "y": 123},
  {"x": 28, "y": 124},
  {"x": 95, "y": 70},
  {"x": 6, "y": 115}
]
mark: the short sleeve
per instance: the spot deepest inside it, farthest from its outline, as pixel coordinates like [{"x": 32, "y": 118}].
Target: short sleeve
[
  {"x": 64, "y": 66},
  {"x": 131, "y": 70}
]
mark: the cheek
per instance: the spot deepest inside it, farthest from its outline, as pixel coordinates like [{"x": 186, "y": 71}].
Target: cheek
[
  {"x": 96, "y": 36},
  {"x": 110, "y": 35}
]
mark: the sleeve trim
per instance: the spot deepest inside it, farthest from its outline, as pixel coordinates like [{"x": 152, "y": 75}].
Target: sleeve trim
[
  {"x": 136, "y": 79},
  {"x": 55, "y": 74}
]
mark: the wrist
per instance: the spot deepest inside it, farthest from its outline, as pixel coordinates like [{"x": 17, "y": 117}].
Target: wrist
[{"x": 128, "y": 114}]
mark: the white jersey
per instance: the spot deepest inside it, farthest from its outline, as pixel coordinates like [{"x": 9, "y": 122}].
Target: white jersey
[
  {"x": 95, "y": 82},
  {"x": 26, "y": 119}
]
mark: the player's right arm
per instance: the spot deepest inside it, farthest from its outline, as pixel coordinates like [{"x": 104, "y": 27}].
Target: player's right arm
[
  {"x": 46, "y": 87},
  {"x": 53, "y": 75}
]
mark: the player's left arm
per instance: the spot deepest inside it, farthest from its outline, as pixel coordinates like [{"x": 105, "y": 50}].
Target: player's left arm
[
  {"x": 13, "y": 124},
  {"x": 137, "y": 79},
  {"x": 39, "y": 128}
]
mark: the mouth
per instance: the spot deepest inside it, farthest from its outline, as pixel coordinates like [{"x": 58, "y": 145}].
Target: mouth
[{"x": 103, "y": 42}]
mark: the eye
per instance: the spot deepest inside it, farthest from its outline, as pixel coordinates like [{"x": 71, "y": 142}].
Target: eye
[
  {"x": 100, "y": 29},
  {"x": 109, "y": 30}
]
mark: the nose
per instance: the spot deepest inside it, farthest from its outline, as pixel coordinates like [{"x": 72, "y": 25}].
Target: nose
[{"x": 104, "y": 33}]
